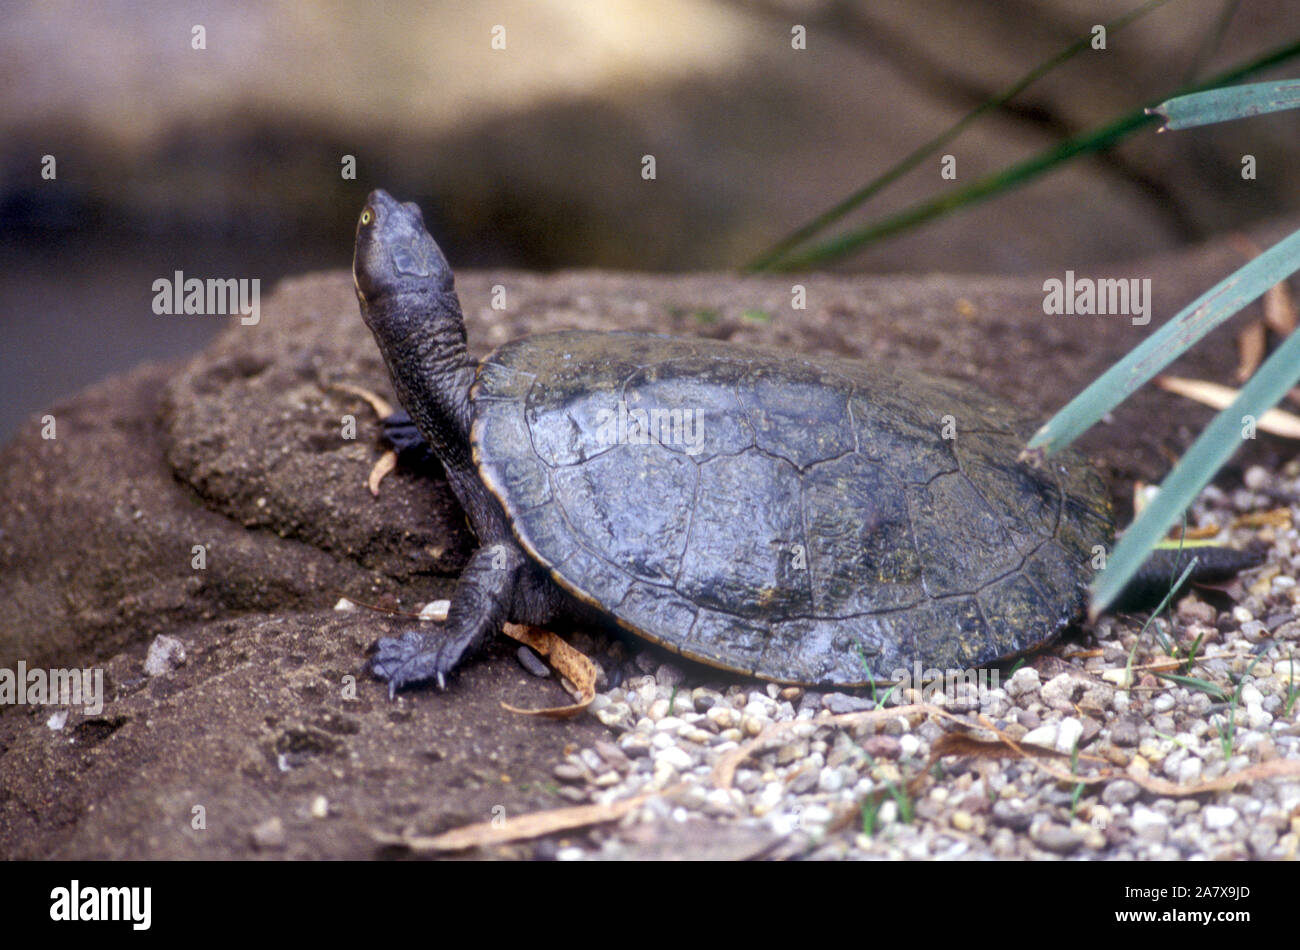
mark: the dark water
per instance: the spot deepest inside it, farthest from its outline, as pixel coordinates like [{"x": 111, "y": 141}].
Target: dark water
[{"x": 74, "y": 310}]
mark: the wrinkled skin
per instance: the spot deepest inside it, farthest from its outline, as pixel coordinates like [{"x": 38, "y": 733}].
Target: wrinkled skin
[{"x": 408, "y": 300}]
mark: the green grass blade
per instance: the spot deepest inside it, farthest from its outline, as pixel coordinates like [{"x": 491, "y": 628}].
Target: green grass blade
[
  {"x": 1223, "y": 105},
  {"x": 1014, "y": 176},
  {"x": 1192, "y": 682},
  {"x": 1215, "y": 446},
  {"x": 922, "y": 152},
  {"x": 1191, "y": 323}
]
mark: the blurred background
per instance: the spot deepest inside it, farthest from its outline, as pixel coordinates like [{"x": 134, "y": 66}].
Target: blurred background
[{"x": 226, "y": 161}]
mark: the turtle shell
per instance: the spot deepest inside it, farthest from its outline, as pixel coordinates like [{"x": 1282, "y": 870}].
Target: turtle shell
[{"x": 802, "y": 519}]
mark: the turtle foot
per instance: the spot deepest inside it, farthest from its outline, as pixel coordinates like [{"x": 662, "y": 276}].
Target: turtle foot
[{"x": 414, "y": 657}]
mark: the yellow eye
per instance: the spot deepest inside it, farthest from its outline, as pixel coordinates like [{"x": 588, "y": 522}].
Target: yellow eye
[{"x": 367, "y": 217}]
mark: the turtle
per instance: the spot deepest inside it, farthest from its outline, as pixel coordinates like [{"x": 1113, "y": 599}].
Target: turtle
[{"x": 811, "y": 520}]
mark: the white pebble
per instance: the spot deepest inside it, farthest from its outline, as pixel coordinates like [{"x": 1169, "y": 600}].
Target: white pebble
[
  {"x": 1044, "y": 736},
  {"x": 1068, "y": 732},
  {"x": 1149, "y": 825},
  {"x": 1217, "y": 818}
]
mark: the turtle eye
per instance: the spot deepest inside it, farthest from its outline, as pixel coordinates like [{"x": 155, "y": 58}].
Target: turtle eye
[{"x": 367, "y": 216}]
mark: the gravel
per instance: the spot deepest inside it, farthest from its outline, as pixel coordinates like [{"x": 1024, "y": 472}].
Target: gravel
[{"x": 868, "y": 789}]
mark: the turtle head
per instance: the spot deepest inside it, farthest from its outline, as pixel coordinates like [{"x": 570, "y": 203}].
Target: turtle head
[{"x": 398, "y": 269}]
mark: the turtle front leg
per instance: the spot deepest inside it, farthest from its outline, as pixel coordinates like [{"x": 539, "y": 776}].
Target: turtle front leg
[{"x": 479, "y": 605}]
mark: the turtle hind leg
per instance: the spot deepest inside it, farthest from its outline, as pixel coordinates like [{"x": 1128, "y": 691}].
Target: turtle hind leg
[{"x": 480, "y": 603}]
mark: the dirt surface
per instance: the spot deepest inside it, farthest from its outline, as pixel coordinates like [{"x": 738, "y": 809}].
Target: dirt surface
[{"x": 243, "y": 452}]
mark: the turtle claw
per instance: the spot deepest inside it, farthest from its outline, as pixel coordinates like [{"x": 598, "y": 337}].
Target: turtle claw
[{"x": 414, "y": 657}]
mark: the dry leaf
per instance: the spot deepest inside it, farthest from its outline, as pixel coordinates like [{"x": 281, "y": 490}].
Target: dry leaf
[
  {"x": 1251, "y": 343},
  {"x": 1279, "y": 309},
  {"x": 1252, "y": 773},
  {"x": 387, "y": 462},
  {"x": 565, "y": 660},
  {"x": 1275, "y": 421},
  {"x": 377, "y": 403},
  {"x": 1275, "y": 518},
  {"x": 532, "y": 825}
]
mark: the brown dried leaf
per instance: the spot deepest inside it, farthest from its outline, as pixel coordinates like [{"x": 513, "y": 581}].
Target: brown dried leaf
[
  {"x": 1274, "y": 518},
  {"x": 1251, "y": 343},
  {"x": 1253, "y": 773},
  {"x": 387, "y": 462},
  {"x": 1279, "y": 309},
  {"x": 565, "y": 660},
  {"x": 534, "y": 825},
  {"x": 1275, "y": 421},
  {"x": 377, "y": 403}
]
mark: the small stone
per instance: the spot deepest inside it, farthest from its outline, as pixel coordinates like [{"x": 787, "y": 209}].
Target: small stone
[
  {"x": 1056, "y": 838},
  {"x": 1192, "y": 610},
  {"x": 830, "y": 780},
  {"x": 435, "y": 611},
  {"x": 1261, "y": 840},
  {"x": 719, "y": 801},
  {"x": 670, "y": 724},
  {"x": 320, "y": 807},
  {"x": 1254, "y": 631},
  {"x": 615, "y": 716},
  {"x": 791, "y": 752},
  {"x": 1025, "y": 682},
  {"x": 1120, "y": 792},
  {"x": 531, "y": 662},
  {"x": 805, "y": 780},
  {"x": 165, "y": 654},
  {"x": 1148, "y": 824},
  {"x": 613, "y": 756},
  {"x": 1011, "y": 814},
  {"x": 1189, "y": 771},
  {"x": 1257, "y": 478},
  {"x": 677, "y": 757},
  {"x": 269, "y": 834},
  {"x": 882, "y": 747},
  {"x": 1058, "y": 692},
  {"x": 569, "y": 772},
  {"x": 1044, "y": 736},
  {"x": 635, "y": 745},
  {"x": 1125, "y": 732},
  {"x": 724, "y": 717},
  {"x": 962, "y": 820},
  {"x": 668, "y": 675},
  {"x": 908, "y": 745},
  {"x": 705, "y": 699},
  {"x": 1069, "y": 730},
  {"x": 1217, "y": 818},
  {"x": 751, "y": 725},
  {"x": 1163, "y": 702},
  {"x": 840, "y": 703}
]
